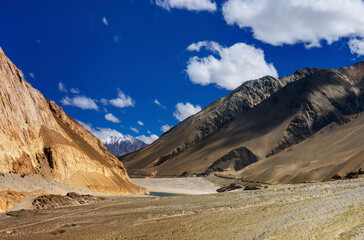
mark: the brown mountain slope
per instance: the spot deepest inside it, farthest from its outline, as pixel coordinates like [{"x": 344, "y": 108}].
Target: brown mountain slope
[
  {"x": 37, "y": 137},
  {"x": 207, "y": 122},
  {"x": 288, "y": 115},
  {"x": 335, "y": 151}
]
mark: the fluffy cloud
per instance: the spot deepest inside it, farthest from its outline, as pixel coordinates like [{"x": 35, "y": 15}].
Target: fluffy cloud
[
  {"x": 62, "y": 87},
  {"x": 294, "y": 21},
  {"x": 104, "y": 20},
  {"x": 75, "y": 90},
  {"x": 82, "y": 102},
  {"x": 236, "y": 65},
  {"x": 191, "y": 5},
  {"x": 140, "y": 123},
  {"x": 146, "y": 139},
  {"x": 122, "y": 100},
  {"x": 357, "y": 46},
  {"x": 184, "y": 110},
  {"x": 134, "y": 129},
  {"x": 165, "y": 128},
  {"x": 102, "y": 133},
  {"x": 110, "y": 117}
]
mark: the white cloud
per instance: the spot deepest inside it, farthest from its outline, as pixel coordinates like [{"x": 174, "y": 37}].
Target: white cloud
[
  {"x": 184, "y": 110},
  {"x": 159, "y": 104},
  {"x": 149, "y": 132},
  {"x": 122, "y": 101},
  {"x": 165, "y": 128},
  {"x": 75, "y": 90},
  {"x": 191, "y": 5},
  {"x": 236, "y": 65},
  {"x": 104, "y": 20},
  {"x": 62, "y": 87},
  {"x": 210, "y": 45},
  {"x": 140, "y": 123},
  {"x": 146, "y": 139},
  {"x": 103, "y": 133},
  {"x": 103, "y": 101},
  {"x": 82, "y": 102},
  {"x": 134, "y": 129},
  {"x": 110, "y": 117},
  {"x": 294, "y": 21},
  {"x": 87, "y": 126},
  {"x": 357, "y": 46},
  {"x": 32, "y": 75}
]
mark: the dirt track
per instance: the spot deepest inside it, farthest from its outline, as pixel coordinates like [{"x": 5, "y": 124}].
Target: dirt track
[{"x": 305, "y": 211}]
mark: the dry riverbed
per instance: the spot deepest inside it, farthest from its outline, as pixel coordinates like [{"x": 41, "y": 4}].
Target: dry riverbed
[
  {"x": 189, "y": 185},
  {"x": 330, "y": 210}
]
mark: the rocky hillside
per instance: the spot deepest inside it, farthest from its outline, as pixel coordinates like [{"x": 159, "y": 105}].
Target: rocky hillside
[
  {"x": 37, "y": 137},
  {"x": 119, "y": 146},
  {"x": 265, "y": 117}
]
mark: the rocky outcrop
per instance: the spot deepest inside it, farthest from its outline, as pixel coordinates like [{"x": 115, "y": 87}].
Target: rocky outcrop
[
  {"x": 57, "y": 201},
  {"x": 9, "y": 198},
  {"x": 234, "y": 160},
  {"x": 325, "y": 97},
  {"x": 38, "y": 137}
]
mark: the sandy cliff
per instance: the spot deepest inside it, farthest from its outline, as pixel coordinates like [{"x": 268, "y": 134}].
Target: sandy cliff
[{"x": 37, "y": 137}]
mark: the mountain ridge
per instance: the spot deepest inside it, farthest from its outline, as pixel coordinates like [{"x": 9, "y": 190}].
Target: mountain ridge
[
  {"x": 119, "y": 146},
  {"x": 265, "y": 124}
]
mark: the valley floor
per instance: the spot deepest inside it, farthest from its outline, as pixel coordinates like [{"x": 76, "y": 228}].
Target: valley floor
[
  {"x": 188, "y": 185},
  {"x": 329, "y": 210}
]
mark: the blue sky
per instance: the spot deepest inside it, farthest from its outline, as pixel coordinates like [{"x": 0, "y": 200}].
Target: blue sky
[{"x": 114, "y": 59}]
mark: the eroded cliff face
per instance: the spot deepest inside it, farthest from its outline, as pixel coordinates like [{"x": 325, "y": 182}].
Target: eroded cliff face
[{"x": 37, "y": 137}]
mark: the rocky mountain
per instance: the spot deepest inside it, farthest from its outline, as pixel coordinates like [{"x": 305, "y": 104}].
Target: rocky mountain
[
  {"x": 38, "y": 137},
  {"x": 263, "y": 117},
  {"x": 119, "y": 146}
]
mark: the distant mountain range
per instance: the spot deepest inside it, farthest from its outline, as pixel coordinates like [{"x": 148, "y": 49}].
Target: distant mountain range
[
  {"x": 119, "y": 146},
  {"x": 305, "y": 127}
]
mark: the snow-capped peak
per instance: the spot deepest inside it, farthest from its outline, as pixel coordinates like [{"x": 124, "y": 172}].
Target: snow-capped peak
[{"x": 118, "y": 139}]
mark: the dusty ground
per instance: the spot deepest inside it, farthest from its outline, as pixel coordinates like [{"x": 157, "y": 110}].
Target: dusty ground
[
  {"x": 189, "y": 185},
  {"x": 28, "y": 188},
  {"x": 330, "y": 210},
  {"x": 32, "y": 183}
]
